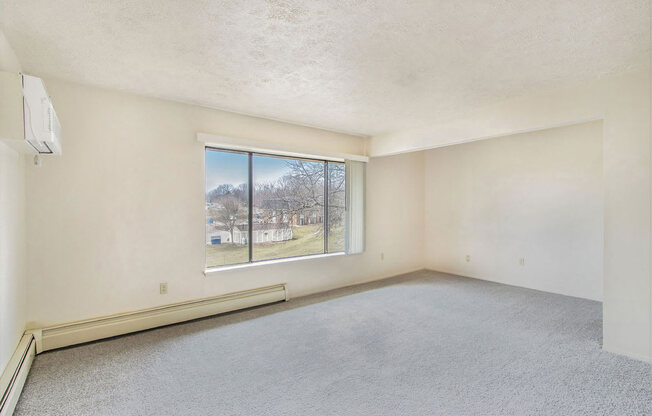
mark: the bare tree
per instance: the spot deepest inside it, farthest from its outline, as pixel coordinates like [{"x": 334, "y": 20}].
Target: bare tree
[
  {"x": 229, "y": 212},
  {"x": 301, "y": 192},
  {"x": 225, "y": 189},
  {"x": 336, "y": 194}
]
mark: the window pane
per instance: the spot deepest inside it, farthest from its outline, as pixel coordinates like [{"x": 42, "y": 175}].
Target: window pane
[
  {"x": 288, "y": 207},
  {"x": 336, "y": 207},
  {"x": 227, "y": 208}
]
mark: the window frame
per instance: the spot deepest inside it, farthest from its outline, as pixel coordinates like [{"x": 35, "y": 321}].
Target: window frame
[{"x": 250, "y": 196}]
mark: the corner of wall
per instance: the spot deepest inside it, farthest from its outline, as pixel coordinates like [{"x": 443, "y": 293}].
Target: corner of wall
[{"x": 13, "y": 287}]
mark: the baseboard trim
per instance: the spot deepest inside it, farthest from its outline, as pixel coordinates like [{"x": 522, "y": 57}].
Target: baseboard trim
[
  {"x": 500, "y": 282},
  {"x": 627, "y": 354},
  {"x": 13, "y": 377},
  {"x": 618, "y": 351},
  {"x": 119, "y": 324}
]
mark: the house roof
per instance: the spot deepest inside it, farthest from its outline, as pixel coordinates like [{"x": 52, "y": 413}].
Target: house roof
[
  {"x": 216, "y": 227},
  {"x": 264, "y": 226}
]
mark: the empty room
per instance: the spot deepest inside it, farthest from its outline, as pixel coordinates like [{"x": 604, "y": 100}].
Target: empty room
[{"x": 280, "y": 207}]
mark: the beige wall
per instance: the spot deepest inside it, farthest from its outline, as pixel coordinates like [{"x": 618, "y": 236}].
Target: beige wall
[
  {"x": 537, "y": 196},
  {"x": 12, "y": 235},
  {"x": 123, "y": 209},
  {"x": 623, "y": 103},
  {"x": 13, "y": 300}
]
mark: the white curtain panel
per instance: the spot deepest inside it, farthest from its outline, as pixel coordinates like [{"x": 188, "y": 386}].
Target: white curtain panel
[{"x": 355, "y": 183}]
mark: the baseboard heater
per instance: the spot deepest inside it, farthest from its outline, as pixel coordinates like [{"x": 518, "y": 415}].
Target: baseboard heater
[
  {"x": 13, "y": 378},
  {"x": 109, "y": 326}
]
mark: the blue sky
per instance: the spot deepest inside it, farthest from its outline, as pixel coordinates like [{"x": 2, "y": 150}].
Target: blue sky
[{"x": 226, "y": 167}]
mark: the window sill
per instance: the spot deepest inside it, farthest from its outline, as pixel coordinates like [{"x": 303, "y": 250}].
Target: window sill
[{"x": 218, "y": 269}]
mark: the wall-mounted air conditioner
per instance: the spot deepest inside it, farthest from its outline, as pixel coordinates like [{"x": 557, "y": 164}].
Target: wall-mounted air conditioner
[{"x": 28, "y": 121}]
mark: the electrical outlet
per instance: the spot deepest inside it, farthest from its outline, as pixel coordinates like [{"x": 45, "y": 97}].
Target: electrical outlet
[
  {"x": 164, "y": 288},
  {"x": 521, "y": 261},
  {"x": 382, "y": 256},
  {"x": 468, "y": 258}
]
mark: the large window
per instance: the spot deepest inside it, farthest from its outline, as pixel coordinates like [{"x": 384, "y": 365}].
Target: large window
[
  {"x": 227, "y": 208},
  {"x": 263, "y": 207}
]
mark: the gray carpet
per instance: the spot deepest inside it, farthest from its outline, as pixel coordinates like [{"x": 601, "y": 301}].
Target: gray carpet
[{"x": 419, "y": 344}]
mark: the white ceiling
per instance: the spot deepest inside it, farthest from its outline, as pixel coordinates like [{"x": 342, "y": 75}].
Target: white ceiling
[{"x": 366, "y": 67}]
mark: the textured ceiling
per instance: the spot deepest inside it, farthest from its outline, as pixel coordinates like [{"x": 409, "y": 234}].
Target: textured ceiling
[{"x": 366, "y": 67}]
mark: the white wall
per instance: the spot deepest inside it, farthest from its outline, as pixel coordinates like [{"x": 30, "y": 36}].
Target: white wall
[
  {"x": 13, "y": 300},
  {"x": 118, "y": 212},
  {"x": 537, "y": 196},
  {"x": 123, "y": 209},
  {"x": 623, "y": 102},
  {"x": 13, "y": 284}
]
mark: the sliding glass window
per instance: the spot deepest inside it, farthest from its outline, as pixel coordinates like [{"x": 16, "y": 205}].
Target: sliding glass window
[
  {"x": 295, "y": 207},
  {"x": 227, "y": 208}
]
